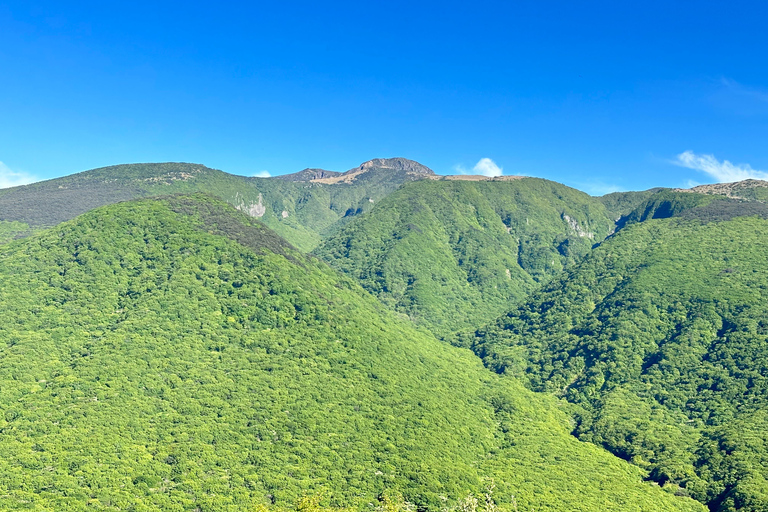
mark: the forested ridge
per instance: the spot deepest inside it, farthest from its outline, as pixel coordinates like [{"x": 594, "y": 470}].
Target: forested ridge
[
  {"x": 175, "y": 354},
  {"x": 452, "y": 254},
  {"x": 660, "y": 338}
]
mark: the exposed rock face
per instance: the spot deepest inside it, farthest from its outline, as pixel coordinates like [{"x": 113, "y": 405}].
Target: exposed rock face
[
  {"x": 578, "y": 229},
  {"x": 254, "y": 210}
]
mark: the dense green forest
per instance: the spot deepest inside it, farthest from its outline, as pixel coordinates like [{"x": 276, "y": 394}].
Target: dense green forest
[
  {"x": 660, "y": 340},
  {"x": 453, "y": 254},
  {"x": 175, "y": 354}
]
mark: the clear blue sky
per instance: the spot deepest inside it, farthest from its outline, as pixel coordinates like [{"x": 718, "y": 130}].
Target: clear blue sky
[{"x": 598, "y": 95}]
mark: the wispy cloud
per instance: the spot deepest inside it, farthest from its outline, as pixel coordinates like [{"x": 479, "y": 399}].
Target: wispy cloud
[
  {"x": 742, "y": 90},
  {"x": 9, "y": 178},
  {"x": 262, "y": 174},
  {"x": 460, "y": 169},
  {"x": 723, "y": 172},
  {"x": 485, "y": 167}
]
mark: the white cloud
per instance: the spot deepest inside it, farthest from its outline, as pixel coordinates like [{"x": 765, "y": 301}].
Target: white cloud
[
  {"x": 723, "y": 172},
  {"x": 487, "y": 167},
  {"x": 262, "y": 174},
  {"x": 9, "y": 178}
]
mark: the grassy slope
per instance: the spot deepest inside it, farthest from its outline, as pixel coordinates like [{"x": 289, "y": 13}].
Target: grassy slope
[
  {"x": 176, "y": 355},
  {"x": 451, "y": 254},
  {"x": 661, "y": 336}
]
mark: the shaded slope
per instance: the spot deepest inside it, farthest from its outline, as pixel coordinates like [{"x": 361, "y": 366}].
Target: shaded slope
[
  {"x": 661, "y": 337},
  {"x": 619, "y": 204},
  {"x": 450, "y": 254},
  {"x": 688, "y": 204},
  {"x": 665, "y": 204},
  {"x": 152, "y": 361}
]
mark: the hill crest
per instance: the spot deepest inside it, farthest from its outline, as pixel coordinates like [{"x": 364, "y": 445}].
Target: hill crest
[
  {"x": 409, "y": 167},
  {"x": 733, "y": 190}
]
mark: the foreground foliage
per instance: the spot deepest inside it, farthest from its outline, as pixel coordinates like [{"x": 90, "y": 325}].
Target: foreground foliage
[{"x": 177, "y": 355}]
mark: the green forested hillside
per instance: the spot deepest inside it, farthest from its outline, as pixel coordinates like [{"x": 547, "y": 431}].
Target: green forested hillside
[
  {"x": 452, "y": 254},
  {"x": 619, "y": 204},
  {"x": 667, "y": 203},
  {"x": 660, "y": 339},
  {"x": 300, "y": 210},
  {"x": 176, "y": 355}
]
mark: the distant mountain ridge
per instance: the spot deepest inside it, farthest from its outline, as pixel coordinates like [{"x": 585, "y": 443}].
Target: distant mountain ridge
[
  {"x": 410, "y": 167},
  {"x": 751, "y": 189},
  {"x": 301, "y": 207},
  {"x": 308, "y": 174}
]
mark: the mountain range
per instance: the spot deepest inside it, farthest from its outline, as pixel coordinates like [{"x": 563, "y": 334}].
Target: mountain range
[{"x": 186, "y": 339}]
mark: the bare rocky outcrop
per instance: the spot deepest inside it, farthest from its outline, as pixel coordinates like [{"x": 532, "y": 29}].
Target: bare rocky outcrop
[
  {"x": 253, "y": 209},
  {"x": 574, "y": 225}
]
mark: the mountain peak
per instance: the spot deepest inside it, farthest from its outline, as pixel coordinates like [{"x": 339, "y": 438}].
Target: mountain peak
[{"x": 397, "y": 164}]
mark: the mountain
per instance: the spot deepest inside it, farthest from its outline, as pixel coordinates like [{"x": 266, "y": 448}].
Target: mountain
[
  {"x": 659, "y": 338},
  {"x": 308, "y": 175},
  {"x": 175, "y": 354},
  {"x": 755, "y": 190},
  {"x": 384, "y": 167},
  {"x": 455, "y": 252},
  {"x": 300, "y": 207}
]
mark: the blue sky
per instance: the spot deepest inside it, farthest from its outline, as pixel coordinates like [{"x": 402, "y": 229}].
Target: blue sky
[{"x": 598, "y": 95}]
